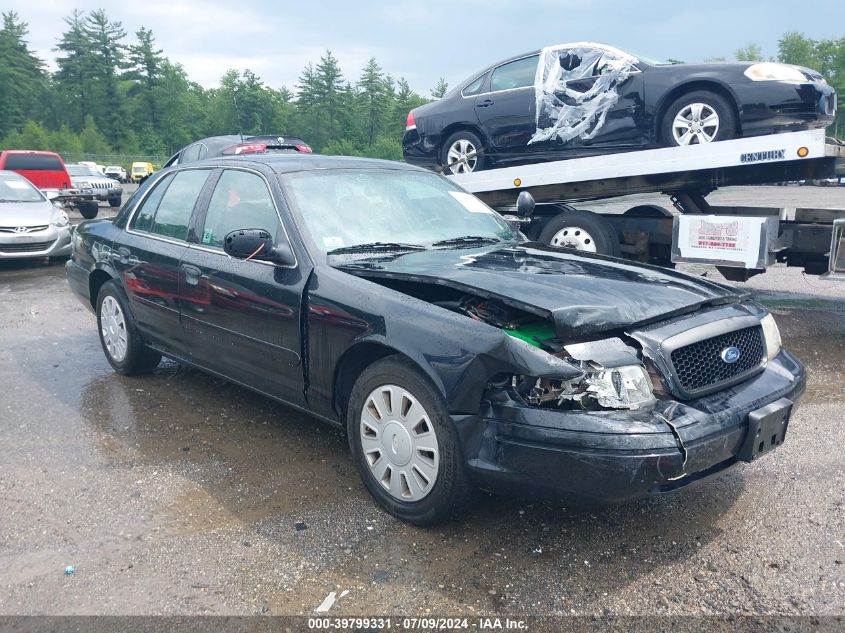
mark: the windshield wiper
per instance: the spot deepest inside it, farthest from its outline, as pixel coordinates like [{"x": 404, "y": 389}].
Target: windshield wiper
[
  {"x": 468, "y": 239},
  {"x": 376, "y": 246}
]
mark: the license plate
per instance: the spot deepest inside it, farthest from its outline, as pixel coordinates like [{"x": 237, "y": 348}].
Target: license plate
[{"x": 766, "y": 429}]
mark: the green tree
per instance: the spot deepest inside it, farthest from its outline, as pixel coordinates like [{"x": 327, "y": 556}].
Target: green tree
[
  {"x": 372, "y": 100},
  {"x": 145, "y": 69},
  {"x": 91, "y": 140},
  {"x": 440, "y": 89},
  {"x": 331, "y": 96},
  {"x": 750, "y": 53},
  {"x": 22, "y": 76},
  {"x": 107, "y": 59},
  {"x": 73, "y": 79}
]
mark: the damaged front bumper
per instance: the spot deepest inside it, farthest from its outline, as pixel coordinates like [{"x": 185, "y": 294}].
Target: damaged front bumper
[{"x": 619, "y": 455}]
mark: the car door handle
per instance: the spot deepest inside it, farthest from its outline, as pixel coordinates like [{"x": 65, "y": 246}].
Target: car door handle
[
  {"x": 192, "y": 274},
  {"x": 484, "y": 104}
]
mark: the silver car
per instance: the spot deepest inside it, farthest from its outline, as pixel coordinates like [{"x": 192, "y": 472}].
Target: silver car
[
  {"x": 30, "y": 225},
  {"x": 90, "y": 181}
]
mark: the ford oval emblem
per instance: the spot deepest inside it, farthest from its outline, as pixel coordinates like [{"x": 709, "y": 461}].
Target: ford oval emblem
[{"x": 730, "y": 354}]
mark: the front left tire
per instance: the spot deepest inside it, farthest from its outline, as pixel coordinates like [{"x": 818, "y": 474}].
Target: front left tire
[
  {"x": 119, "y": 337},
  {"x": 404, "y": 444},
  {"x": 698, "y": 118}
]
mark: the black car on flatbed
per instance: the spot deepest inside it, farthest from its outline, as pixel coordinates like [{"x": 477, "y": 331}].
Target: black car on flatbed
[{"x": 383, "y": 299}]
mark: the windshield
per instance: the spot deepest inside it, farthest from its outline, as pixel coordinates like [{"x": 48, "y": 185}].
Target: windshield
[
  {"x": 13, "y": 188},
  {"x": 81, "y": 170},
  {"x": 139, "y": 170},
  {"x": 347, "y": 207}
]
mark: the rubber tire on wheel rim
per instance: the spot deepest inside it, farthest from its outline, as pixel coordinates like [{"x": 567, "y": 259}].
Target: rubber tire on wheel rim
[
  {"x": 465, "y": 135},
  {"x": 89, "y": 210},
  {"x": 139, "y": 359},
  {"x": 114, "y": 202},
  {"x": 600, "y": 230},
  {"x": 720, "y": 105},
  {"x": 451, "y": 486}
]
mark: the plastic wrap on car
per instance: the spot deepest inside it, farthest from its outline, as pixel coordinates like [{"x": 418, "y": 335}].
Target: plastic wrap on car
[{"x": 564, "y": 113}]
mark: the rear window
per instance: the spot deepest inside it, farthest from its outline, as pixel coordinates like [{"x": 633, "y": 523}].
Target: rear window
[{"x": 33, "y": 162}]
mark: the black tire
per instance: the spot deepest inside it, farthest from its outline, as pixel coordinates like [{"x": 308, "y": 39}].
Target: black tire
[
  {"x": 138, "y": 359},
  {"x": 452, "y": 488},
  {"x": 473, "y": 139},
  {"x": 114, "y": 202},
  {"x": 719, "y": 104},
  {"x": 89, "y": 210},
  {"x": 599, "y": 231}
]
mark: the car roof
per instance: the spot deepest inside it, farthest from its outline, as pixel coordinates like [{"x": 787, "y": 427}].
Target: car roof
[
  {"x": 288, "y": 163},
  {"x": 29, "y": 151}
]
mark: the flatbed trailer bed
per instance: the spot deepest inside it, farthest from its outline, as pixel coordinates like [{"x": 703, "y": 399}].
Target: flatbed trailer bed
[{"x": 802, "y": 237}]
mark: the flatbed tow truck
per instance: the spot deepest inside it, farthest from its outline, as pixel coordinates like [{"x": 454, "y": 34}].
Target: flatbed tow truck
[{"x": 740, "y": 241}]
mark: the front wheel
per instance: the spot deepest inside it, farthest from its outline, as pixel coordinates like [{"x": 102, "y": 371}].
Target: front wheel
[
  {"x": 114, "y": 202},
  {"x": 462, "y": 153},
  {"x": 698, "y": 118},
  {"x": 581, "y": 231},
  {"x": 122, "y": 344},
  {"x": 404, "y": 444}
]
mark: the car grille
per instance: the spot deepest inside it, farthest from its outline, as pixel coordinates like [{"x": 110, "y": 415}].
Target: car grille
[
  {"x": 29, "y": 229},
  {"x": 26, "y": 247},
  {"x": 699, "y": 366}
]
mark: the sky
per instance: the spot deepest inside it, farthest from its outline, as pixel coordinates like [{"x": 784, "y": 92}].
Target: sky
[{"x": 427, "y": 39}]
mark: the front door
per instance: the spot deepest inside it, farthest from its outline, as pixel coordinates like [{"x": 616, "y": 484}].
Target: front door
[
  {"x": 148, "y": 257},
  {"x": 242, "y": 317}
]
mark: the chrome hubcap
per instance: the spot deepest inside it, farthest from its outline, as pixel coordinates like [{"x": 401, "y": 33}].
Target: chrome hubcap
[
  {"x": 574, "y": 237},
  {"x": 399, "y": 443},
  {"x": 113, "y": 328},
  {"x": 694, "y": 124},
  {"x": 462, "y": 157}
]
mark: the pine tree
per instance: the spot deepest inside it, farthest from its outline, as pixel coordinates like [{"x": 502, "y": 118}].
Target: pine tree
[
  {"x": 107, "y": 60},
  {"x": 73, "y": 79},
  {"x": 372, "y": 99},
  {"x": 145, "y": 67},
  {"x": 22, "y": 76},
  {"x": 440, "y": 89}
]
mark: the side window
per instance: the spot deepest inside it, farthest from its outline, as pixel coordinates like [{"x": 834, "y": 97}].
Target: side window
[
  {"x": 143, "y": 220},
  {"x": 177, "y": 204},
  {"x": 475, "y": 87},
  {"x": 240, "y": 200},
  {"x": 191, "y": 153},
  {"x": 203, "y": 152},
  {"x": 517, "y": 74}
]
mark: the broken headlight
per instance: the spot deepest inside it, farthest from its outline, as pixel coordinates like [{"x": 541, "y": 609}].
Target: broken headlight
[
  {"x": 626, "y": 387},
  {"x": 771, "y": 334}
]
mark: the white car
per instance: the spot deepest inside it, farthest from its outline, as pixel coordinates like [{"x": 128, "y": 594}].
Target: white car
[
  {"x": 30, "y": 225},
  {"x": 116, "y": 172}
]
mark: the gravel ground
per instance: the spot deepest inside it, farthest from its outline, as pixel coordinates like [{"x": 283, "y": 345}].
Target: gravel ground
[{"x": 178, "y": 493}]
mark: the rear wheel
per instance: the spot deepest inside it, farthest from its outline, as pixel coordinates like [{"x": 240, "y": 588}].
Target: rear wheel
[
  {"x": 404, "y": 444},
  {"x": 122, "y": 344},
  {"x": 462, "y": 153},
  {"x": 581, "y": 231},
  {"x": 698, "y": 118}
]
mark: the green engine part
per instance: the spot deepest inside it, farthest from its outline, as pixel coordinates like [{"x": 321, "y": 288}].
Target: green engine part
[{"x": 533, "y": 333}]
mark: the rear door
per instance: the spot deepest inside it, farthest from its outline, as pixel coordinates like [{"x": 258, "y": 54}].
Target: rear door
[
  {"x": 242, "y": 317},
  {"x": 148, "y": 255},
  {"x": 507, "y": 112}
]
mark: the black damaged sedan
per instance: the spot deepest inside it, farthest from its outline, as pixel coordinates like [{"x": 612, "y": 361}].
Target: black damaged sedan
[
  {"x": 383, "y": 299},
  {"x": 583, "y": 99}
]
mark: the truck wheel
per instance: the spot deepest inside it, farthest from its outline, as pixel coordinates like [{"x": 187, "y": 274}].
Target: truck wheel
[
  {"x": 698, "y": 118},
  {"x": 114, "y": 202},
  {"x": 404, "y": 443},
  {"x": 582, "y": 231},
  {"x": 89, "y": 210},
  {"x": 462, "y": 153}
]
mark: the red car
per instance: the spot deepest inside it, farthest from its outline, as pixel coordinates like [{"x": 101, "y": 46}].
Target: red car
[{"x": 45, "y": 170}]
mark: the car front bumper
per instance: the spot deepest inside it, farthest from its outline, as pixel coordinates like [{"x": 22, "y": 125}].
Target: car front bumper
[
  {"x": 51, "y": 242},
  {"x": 620, "y": 455},
  {"x": 767, "y": 106}
]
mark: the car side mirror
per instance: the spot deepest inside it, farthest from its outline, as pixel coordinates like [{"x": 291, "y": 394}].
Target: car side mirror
[
  {"x": 257, "y": 244},
  {"x": 525, "y": 205}
]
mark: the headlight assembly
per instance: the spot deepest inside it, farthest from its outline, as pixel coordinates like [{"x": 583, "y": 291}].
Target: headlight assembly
[
  {"x": 626, "y": 387},
  {"x": 770, "y": 71},
  {"x": 771, "y": 334},
  {"x": 60, "y": 219}
]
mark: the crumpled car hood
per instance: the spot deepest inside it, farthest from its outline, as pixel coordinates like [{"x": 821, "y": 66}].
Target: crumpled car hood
[{"x": 583, "y": 293}]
